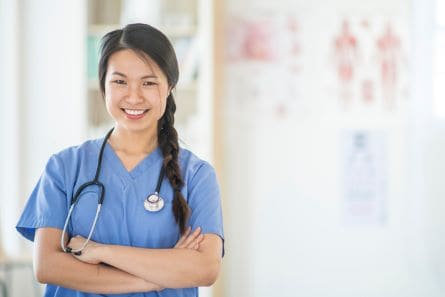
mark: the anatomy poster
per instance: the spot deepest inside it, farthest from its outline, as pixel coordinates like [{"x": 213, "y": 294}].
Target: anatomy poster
[
  {"x": 364, "y": 177},
  {"x": 368, "y": 62},
  {"x": 264, "y": 62}
]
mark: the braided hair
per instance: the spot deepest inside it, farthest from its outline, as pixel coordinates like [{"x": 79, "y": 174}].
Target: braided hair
[{"x": 149, "y": 41}]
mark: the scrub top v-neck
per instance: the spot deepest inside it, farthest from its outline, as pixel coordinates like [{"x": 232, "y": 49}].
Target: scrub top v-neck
[
  {"x": 115, "y": 162},
  {"x": 123, "y": 219}
]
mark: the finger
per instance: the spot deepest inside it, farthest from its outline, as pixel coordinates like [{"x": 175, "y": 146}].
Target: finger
[
  {"x": 183, "y": 237},
  {"x": 76, "y": 256},
  {"x": 197, "y": 242},
  {"x": 186, "y": 233},
  {"x": 74, "y": 240},
  {"x": 192, "y": 236},
  {"x": 71, "y": 243}
]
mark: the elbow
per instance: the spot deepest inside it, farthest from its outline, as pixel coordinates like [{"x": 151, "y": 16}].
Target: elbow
[
  {"x": 211, "y": 274},
  {"x": 209, "y": 281},
  {"x": 42, "y": 271},
  {"x": 40, "y": 275}
]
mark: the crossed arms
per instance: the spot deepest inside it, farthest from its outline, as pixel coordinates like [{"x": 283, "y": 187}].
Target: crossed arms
[{"x": 111, "y": 269}]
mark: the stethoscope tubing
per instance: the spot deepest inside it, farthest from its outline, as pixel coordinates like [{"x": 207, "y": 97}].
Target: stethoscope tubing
[
  {"x": 76, "y": 196},
  {"x": 96, "y": 182}
]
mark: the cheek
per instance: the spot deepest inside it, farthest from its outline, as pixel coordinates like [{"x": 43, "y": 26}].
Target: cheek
[
  {"x": 108, "y": 105},
  {"x": 112, "y": 96},
  {"x": 111, "y": 104},
  {"x": 157, "y": 99},
  {"x": 162, "y": 105},
  {"x": 108, "y": 102},
  {"x": 164, "y": 95}
]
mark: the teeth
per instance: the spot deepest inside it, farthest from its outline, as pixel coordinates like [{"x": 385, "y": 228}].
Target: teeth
[{"x": 134, "y": 111}]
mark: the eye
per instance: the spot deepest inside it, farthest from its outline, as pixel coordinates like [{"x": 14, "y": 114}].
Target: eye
[
  {"x": 119, "y": 81},
  {"x": 148, "y": 83}
]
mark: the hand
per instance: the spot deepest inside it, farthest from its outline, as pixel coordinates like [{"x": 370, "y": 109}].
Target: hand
[
  {"x": 89, "y": 254},
  {"x": 190, "y": 241}
]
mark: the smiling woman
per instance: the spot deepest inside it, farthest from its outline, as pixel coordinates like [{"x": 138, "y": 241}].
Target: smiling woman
[
  {"x": 157, "y": 228},
  {"x": 135, "y": 89}
]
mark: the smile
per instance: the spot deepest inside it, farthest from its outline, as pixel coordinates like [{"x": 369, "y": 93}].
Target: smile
[{"x": 134, "y": 112}]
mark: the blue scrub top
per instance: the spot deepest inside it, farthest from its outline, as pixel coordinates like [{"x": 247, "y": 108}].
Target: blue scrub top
[{"x": 123, "y": 219}]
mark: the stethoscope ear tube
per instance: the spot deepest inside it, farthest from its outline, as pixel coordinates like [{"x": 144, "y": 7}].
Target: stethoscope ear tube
[{"x": 65, "y": 226}]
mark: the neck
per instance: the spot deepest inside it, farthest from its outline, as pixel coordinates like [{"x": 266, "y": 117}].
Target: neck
[{"x": 133, "y": 142}]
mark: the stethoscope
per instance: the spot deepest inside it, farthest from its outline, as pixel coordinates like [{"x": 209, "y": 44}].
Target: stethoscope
[{"x": 153, "y": 203}]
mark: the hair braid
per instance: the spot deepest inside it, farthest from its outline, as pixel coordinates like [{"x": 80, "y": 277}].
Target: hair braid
[{"x": 168, "y": 142}]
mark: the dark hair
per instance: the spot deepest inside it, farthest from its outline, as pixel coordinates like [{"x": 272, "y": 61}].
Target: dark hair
[{"x": 149, "y": 41}]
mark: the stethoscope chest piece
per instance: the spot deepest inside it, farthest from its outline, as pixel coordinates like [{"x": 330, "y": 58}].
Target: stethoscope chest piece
[{"x": 154, "y": 203}]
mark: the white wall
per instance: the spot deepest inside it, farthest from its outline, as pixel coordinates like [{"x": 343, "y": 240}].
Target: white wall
[
  {"x": 285, "y": 233},
  {"x": 42, "y": 97},
  {"x": 428, "y": 142},
  {"x": 9, "y": 125},
  {"x": 54, "y": 82}
]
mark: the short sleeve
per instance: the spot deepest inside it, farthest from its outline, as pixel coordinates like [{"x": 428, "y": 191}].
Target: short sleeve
[
  {"x": 47, "y": 205},
  {"x": 205, "y": 202}
]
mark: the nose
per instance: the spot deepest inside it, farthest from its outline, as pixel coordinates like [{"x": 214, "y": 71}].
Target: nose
[{"x": 134, "y": 95}]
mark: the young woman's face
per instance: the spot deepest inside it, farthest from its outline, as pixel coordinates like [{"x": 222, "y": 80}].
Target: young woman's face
[{"x": 136, "y": 91}]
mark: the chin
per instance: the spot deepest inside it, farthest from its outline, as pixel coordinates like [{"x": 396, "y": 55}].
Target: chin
[{"x": 137, "y": 127}]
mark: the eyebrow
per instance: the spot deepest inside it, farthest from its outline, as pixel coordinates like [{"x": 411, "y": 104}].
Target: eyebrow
[{"x": 143, "y": 77}]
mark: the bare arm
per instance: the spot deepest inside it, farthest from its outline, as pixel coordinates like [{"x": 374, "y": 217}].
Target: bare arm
[
  {"x": 53, "y": 266},
  {"x": 171, "y": 268}
]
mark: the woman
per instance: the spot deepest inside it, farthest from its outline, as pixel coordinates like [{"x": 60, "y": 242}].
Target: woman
[{"x": 154, "y": 192}]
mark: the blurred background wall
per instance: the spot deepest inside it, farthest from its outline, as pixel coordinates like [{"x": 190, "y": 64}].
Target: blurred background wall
[
  {"x": 324, "y": 120},
  {"x": 332, "y": 188}
]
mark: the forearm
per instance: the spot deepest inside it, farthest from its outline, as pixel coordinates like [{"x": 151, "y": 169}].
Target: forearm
[
  {"x": 64, "y": 270},
  {"x": 171, "y": 268}
]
